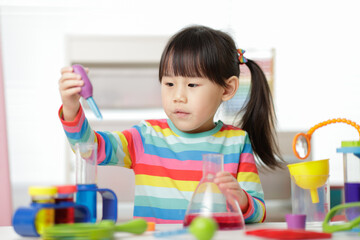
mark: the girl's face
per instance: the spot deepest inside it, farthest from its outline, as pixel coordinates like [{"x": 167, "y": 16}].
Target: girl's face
[{"x": 191, "y": 102}]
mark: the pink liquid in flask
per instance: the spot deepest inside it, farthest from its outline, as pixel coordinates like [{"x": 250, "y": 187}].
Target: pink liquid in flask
[{"x": 225, "y": 221}]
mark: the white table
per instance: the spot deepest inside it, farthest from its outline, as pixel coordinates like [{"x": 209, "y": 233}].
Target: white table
[{"x": 7, "y": 233}]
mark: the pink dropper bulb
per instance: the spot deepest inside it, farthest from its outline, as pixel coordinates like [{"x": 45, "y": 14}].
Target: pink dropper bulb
[{"x": 87, "y": 90}]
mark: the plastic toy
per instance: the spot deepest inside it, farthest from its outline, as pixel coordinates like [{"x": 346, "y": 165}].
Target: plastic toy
[
  {"x": 33, "y": 220},
  {"x": 288, "y": 234},
  {"x": 342, "y": 226},
  {"x": 296, "y": 221},
  {"x": 65, "y": 194},
  {"x": 351, "y": 159},
  {"x": 310, "y": 175},
  {"x": 102, "y": 231},
  {"x": 201, "y": 227},
  {"x": 87, "y": 90},
  {"x": 25, "y": 218},
  {"x": 86, "y": 181},
  {"x": 39, "y": 195},
  {"x": 151, "y": 226},
  {"x": 350, "y": 211},
  {"x": 301, "y": 143}
]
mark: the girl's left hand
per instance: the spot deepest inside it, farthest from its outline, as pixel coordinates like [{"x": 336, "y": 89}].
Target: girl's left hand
[{"x": 229, "y": 185}]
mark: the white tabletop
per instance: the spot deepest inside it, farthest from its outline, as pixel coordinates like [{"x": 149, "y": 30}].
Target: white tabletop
[{"x": 8, "y": 233}]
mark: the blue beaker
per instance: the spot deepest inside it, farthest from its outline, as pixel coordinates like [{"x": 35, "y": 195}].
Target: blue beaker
[{"x": 86, "y": 181}]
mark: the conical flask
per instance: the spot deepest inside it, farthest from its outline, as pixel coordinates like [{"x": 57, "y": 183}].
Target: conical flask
[{"x": 209, "y": 201}]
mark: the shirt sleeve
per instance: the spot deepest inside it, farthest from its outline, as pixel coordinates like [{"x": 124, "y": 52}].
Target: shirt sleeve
[
  {"x": 114, "y": 148},
  {"x": 249, "y": 181}
]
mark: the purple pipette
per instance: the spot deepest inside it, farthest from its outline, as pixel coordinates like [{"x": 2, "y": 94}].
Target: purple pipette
[{"x": 87, "y": 90}]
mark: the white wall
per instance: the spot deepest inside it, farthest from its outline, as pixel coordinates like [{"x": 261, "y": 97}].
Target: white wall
[{"x": 317, "y": 78}]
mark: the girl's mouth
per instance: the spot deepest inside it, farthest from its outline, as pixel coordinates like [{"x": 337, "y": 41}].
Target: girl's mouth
[{"x": 181, "y": 114}]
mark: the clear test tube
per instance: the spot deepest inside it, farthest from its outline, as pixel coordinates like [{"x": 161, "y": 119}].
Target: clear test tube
[
  {"x": 86, "y": 176},
  {"x": 86, "y": 165},
  {"x": 45, "y": 216},
  {"x": 65, "y": 194}
]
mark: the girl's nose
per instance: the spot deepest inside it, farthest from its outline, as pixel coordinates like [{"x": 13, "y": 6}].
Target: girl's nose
[{"x": 180, "y": 96}]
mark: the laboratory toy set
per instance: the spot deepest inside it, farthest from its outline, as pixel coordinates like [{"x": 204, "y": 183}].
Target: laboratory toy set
[
  {"x": 67, "y": 204},
  {"x": 310, "y": 186},
  {"x": 70, "y": 211}
]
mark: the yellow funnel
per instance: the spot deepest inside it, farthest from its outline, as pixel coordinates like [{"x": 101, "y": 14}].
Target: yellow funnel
[{"x": 310, "y": 175}]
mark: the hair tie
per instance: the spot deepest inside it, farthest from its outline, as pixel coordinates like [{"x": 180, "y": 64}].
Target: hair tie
[{"x": 242, "y": 59}]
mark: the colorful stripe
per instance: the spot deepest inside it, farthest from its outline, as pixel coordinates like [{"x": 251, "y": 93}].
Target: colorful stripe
[{"x": 162, "y": 192}]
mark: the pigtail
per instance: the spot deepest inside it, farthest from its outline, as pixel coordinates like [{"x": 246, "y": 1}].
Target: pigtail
[{"x": 259, "y": 118}]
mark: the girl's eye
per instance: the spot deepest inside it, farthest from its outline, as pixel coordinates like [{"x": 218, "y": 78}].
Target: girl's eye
[
  {"x": 193, "y": 85},
  {"x": 169, "y": 84}
]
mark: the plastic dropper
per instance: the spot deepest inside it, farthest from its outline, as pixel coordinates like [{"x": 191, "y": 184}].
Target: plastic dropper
[{"x": 87, "y": 90}]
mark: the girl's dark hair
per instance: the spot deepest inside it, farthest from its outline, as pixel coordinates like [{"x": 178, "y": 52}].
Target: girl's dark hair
[{"x": 199, "y": 51}]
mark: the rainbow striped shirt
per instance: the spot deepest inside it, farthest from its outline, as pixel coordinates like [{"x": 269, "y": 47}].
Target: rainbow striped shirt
[{"x": 168, "y": 163}]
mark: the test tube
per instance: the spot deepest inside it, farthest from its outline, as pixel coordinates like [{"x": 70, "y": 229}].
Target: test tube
[
  {"x": 45, "y": 216},
  {"x": 86, "y": 176},
  {"x": 65, "y": 194}
]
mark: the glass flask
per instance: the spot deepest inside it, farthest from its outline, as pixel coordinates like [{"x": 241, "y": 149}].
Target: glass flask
[{"x": 209, "y": 201}]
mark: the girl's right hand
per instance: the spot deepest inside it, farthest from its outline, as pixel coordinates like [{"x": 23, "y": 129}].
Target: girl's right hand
[{"x": 70, "y": 85}]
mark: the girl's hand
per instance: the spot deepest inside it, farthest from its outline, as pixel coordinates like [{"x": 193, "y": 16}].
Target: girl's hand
[
  {"x": 230, "y": 186},
  {"x": 70, "y": 85}
]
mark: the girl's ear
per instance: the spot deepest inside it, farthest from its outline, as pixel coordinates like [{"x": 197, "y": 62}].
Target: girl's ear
[{"x": 232, "y": 85}]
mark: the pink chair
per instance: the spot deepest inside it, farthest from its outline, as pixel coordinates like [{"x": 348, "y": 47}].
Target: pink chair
[{"x": 5, "y": 189}]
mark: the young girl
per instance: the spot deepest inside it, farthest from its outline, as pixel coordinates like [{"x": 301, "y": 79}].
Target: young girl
[{"x": 199, "y": 69}]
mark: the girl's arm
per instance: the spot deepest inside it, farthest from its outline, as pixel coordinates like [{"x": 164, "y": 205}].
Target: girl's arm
[{"x": 113, "y": 148}]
